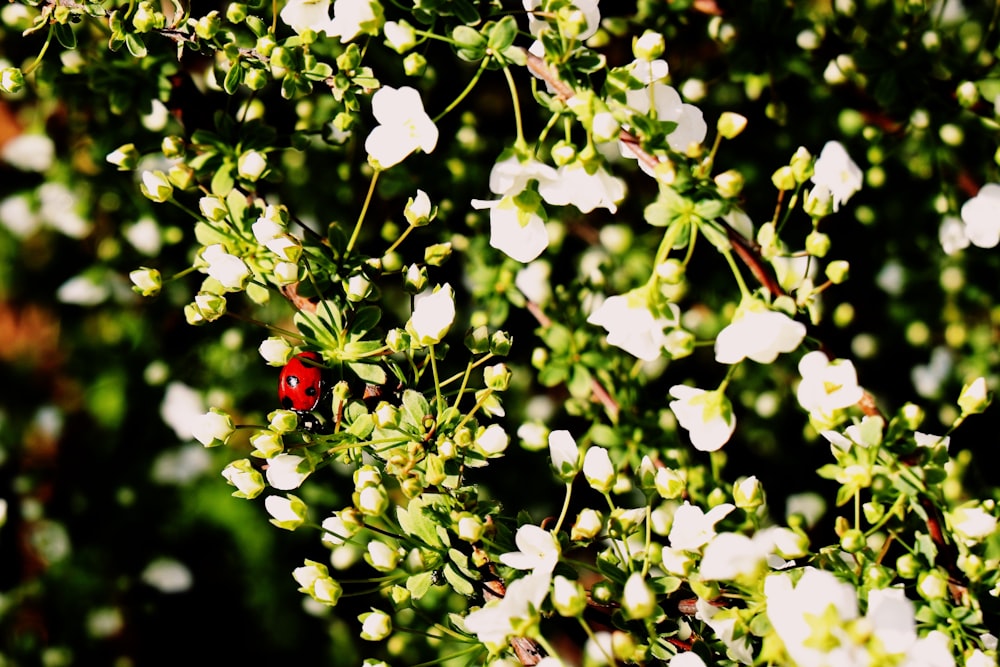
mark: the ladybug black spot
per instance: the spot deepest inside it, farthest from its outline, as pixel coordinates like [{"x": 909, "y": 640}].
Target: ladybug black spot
[
  {"x": 311, "y": 391},
  {"x": 287, "y": 403}
]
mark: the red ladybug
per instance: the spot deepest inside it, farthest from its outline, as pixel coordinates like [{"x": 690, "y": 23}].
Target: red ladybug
[{"x": 301, "y": 385}]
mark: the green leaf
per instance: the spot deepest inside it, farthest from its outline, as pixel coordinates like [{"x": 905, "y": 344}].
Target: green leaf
[
  {"x": 222, "y": 180},
  {"x": 234, "y": 77},
  {"x": 415, "y": 408},
  {"x": 208, "y": 235},
  {"x": 364, "y": 320},
  {"x": 419, "y": 584},
  {"x": 65, "y": 35},
  {"x": 415, "y": 522},
  {"x": 502, "y": 34},
  {"x": 605, "y": 436},
  {"x": 362, "y": 426},
  {"x": 369, "y": 372},
  {"x": 135, "y": 45},
  {"x": 465, "y": 11},
  {"x": 461, "y": 585}
]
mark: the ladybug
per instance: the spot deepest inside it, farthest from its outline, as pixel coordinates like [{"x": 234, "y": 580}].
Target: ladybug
[{"x": 301, "y": 384}]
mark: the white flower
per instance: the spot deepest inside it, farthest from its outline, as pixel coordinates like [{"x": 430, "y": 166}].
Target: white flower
[
  {"x": 759, "y": 335},
  {"x": 375, "y": 625},
  {"x": 668, "y": 106},
  {"x": 251, "y": 165},
  {"x": 336, "y": 531},
  {"x": 511, "y": 175},
  {"x": 418, "y": 209},
  {"x": 213, "y": 428},
  {"x": 952, "y": 235},
  {"x": 591, "y": 15},
  {"x": 827, "y": 386},
  {"x": 29, "y": 152},
  {"x": 275, "y": 350},
  {"x": 686, "y": 659},
  {"x": 533, "y": 281},
  {"x": 981, "y": 215},
  {"x": 836, "y": 171},
  {"x": 730, "y": 555},
  {"x": 495, "y": 622},
  {"x": 354, "y": 17},
  {"x": 433, "y": 315},
  {"x": 723, "y": 625},
  {"x": 707, "y": 416},
  {"x": 564, "y": 452},
  {"x": 598, "y": 470},
  {"x": 632, "y": 326},
  {"x": 231, "y": 271},
  {"x": 518, "y": 232},
  {"x": 539, "y": 550},
  {"x": 302, "y": 15},
  {"x": 587, "y": 191},
  {"x": 693, "y": 527},
  {"x": 382, "y": 556},
  {"x": 400, "y": 36},
  {"x": 404, "y": 126},
  {"x": 972, "y": 524},
  {"x": 181, "y": 406},
  {"x": 287, "y": 471},
  {"x": 156, "y": 186}
]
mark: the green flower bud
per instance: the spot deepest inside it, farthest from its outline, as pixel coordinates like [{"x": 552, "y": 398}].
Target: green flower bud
[
  {"x": 213, "y": 428},
  {"x": 146, "y": 281},
  {"x": 837, "y": 271},
  {"x": 730, "y": 183},
  {"x": 470, "y": 528},
  {"x": 266, "y": 444},
  {"x": 125, "y": 157},
  {"x": 182, "y": 176},
  {"x": 932, "y": 585},
  {"x": 974, "y": 397},
  {"x": 817, "y": 244},
  {"x": 638, "y": 600},
  {"x": 852, "y": 541},
  {"x": 247, "y": 480},
  {"x": 497, "y": 377},
  {"x": 375, "y": 625},
  {"x": 208, "y": 25},
  {"x": 649, "y": 46},
  {"x": 802, "y": 165},
  {"x": 679, "y": 343},
  {"x": 414, "y": 64},
  {"x": 568, "y": 596},
  {"x": 748, "y": 494},
  {"x": 415, "y": 278},
  {"x": 156, "y": 186},
  {"x": 11, "y": 80},
  {"x": 587, "y": 526},
  {"x": 730, "y": 124},
  {"x": 283, "y": 421},
  {"x": 478, "y": 340},
  {"x": 783, "y": 178}
]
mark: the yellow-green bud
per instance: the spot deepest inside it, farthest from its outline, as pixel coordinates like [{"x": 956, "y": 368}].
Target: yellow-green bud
[
  {"x": 11, "y": 80},
  {"x": 649, "y": 46},
  {"x": 729, "y": 182},
  {"x": 497, "y": 377},
  {"x": 802, "y": 165},
  {"x": 236, "y": 12},
  {"x": 731, "y": 124},
  {"x": 125, "y": 157},
  {"x": 679, "y": 343},
  {"x": 146, "y": 281},
  {"x": 182, "y": 176},
  {"x": 783, "y": 178},
  {"x": 414, "y": 64},
  {"x": 437, "y": 254},
  {"x": 208, "y": 25},
  {"x": 817, "y": 244},
  {"x": 837, "y": 271},
  {"x": 974, "y": 397}
]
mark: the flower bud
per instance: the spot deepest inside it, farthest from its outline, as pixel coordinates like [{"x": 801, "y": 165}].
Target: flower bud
[
  {"x": 213, "y": 428},
  {"x": 181, "y": 176},
  {"x": 247, "y": 480},
  {"x": 381, "y": 556},
  {"x": 285, "y": 273},
  {"x": 670, "y": 483},
  {"x": 375, "y": 625},
  {"x": 314, "y": 579},
  {"x": 598, "y": 470},
  {"x": 932, "y": 585},
  {"x": 414, "y": 64},
  {"x": 437, "y": 254},
  {"x": 913, "y": 415},
  {"x": 251, "y": 165},
  {"x": 974, "y": 397},
  {"x": 415, "y": 278},
  {"x": 731, "y": 124},
  {"x": 266, "y": 444},
  {"x": 497, "y": 377},
  {"x": 208, "y": 25},
  {"x": 470, "y": 528},
  {"x": 236, "y": 12},
  {"x": 145, "y": 281},
  {"x": 587, "y": 526},
  {"x": 418, "y": 211},
  {"x": 679, "y": 343},
  {"x": 275, "y": 350},
  {"x": 283, "y": 421},
  {"x": 287, "y": 512},
  {"x": 783, "y": 178},
  {"x": 605, "y": 127},
  {"x": 817, "y": 244},
  {"x": 837, "y": 271},
  {"x": 748, "y": 494},
  {"x": 371, "y": 500},
  {"x": 819, "y": 202},
  {"x": 649, "y": 46},
  {"x": 967, "y": 94},
  {"x": 213, "y": 208},
  {"x": 156, "y": 186},
  {"x": 358, "y": 287},
  {"x": 211, "y": 306},
  {"x": 730, "y": 183},
  {"x": 638, "y": 600},
  {"x": 564, "y": 453},
  {"x": 802, "y": 165},
  {"x": 568, "y": 597},
  {"x": 11, "y": 80},
  {"x": 125, "y": 157},
  {"x": 399, "y": 36},
  {"x": 366, "y": 475}
]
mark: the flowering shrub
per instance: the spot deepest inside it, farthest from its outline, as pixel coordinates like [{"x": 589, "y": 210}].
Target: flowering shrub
[{"x": 507, "y": 236}]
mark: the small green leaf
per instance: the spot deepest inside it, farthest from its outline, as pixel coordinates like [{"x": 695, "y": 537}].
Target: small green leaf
[
  {"x": 234, "y": 77},
  {"x": 461, "y": 585},
  {"x": 222, "y": 181},
  {"x": 65, "y": 35},
  {"x": 369, "y": 372},
  {"x": 502, "y": 34},
  {"x": 365, "y": 320},
  {"x": 419, "y": 584},
  {"x": 135, "y": 45}
]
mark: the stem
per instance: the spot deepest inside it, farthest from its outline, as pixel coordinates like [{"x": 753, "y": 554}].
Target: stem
[
  {"x": 364, "y": 212},
  {"x": 395, "y": 244},
  {"x": 736, "y": 273},
  {"x": 590, "y": 633},
  {"x": 519, "y": 142},
  {"x": 565, "y": 508},
  {"x": 41, "y": 53},
  {"x": 465, "y": 92},
  {"x": 437, "y": 382}
]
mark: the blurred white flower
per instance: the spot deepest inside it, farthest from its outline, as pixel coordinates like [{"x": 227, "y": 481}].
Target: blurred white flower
[
  {"x": 29, "y": 152},
  {"x": 981, "y": 216},
  {"x": 511, "y": 175},
  {"x": 180, "y": 408},
  {"x": 835, "y": 170},
  {"x": 167, "y": 575}
]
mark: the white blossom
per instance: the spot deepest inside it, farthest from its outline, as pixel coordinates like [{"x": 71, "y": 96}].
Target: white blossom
[
  {"x": 538, "y": 550},
  {"x": 287, "y": 471},
  {"x": 433, "y": 315},
  {"x": 403, "y": 127},
  {"x": 835, "y": 170},
  {"x": 231, "y": 271},
  {"x": 827, "y": 385},
  {"x": 666, "y": 103},
  {"x": 518, "y": 232},
  {"x": 632, "y": 326},
  {"x": 587, "y": 191},
  {"x": 693, "y": 527},
  {"x": 511, "y": 175},
  {"x": 759, "y": 335},
  {"x": 981, "y": 216},
  {"x": 707, "y": 416},
  {"x": 29, "y": 152}
]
